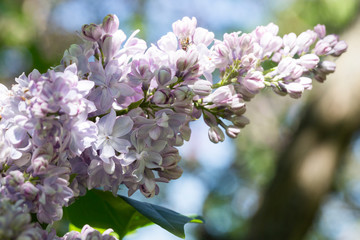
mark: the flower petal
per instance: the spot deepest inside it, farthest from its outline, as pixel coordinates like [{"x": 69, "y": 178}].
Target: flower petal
[
  {"x": 120, "y": 145},
  {"x": 122, "y": 126},
  {"x": 106, "y": 123}
]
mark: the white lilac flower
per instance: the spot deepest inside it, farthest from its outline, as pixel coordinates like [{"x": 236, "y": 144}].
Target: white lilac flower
[
  {"x": 145, "y": 154},
  {"x": 88, "y": 232},
  {"x": 83, "y": 134},
  {"x": 111, "y": 130}
]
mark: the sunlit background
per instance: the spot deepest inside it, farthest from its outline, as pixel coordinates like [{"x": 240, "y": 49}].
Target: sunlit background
[{"x": 221, "y": 182}]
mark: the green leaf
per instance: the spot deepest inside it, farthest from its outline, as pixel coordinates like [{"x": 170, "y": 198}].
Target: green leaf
[
  {"x": 268, "y": 65},
  {"x": 170, "y": 220},
  {"x": 135, "y": 104},
  {"x": 101, "y": 210}
]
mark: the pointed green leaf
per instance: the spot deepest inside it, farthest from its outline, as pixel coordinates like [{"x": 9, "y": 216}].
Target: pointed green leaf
[
  {"x": 268, "y": 65},
  {"x": 170, "y": 220},
  {"x": 102, "y": 210}
]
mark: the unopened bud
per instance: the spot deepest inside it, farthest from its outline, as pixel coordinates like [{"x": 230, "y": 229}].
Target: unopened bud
[
  {"x": 159, "y": 97},
  {"x": 202, "y": 87},
  {"x": 210, "y": 119},
  {"x": 320, "y": 30},
  {"x": 15, "y": 178},
  {"x": 163, "y": 96},
  {"x": 163, "y": 77},
  {"x": 182, "y": 92},
  {"x": 322, "y": 48},
  {"x": 332, "y": 39},
  {"x": 240, "y": 121},
  {"x": 171, "y": 173},
  {"x": 309, "y": 61},
  {"x": 339, "y": 48},
  {"x": 29, "y": 190},
  {"x": 39, "y": 164},
  {"x": 216, "y": 134},
  {"x": 189, "y": 60},
  {"x": 110, "y": 23},
  {"x": 279, "y": 88},
  {"x": 294, "y": 89},
  {"x": 232, "y": 131},
  {"x": 92, "y": 32},
  {"x": 327, "y": 67},
  {"x": 320, "y": 77}
]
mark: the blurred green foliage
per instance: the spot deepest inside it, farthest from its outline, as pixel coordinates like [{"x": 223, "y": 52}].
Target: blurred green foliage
[
  {"x": 27, "y": 38},
  {"x": 305, "y": 14}
]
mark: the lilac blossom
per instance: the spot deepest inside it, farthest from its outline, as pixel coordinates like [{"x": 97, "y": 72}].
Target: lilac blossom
[
  {"x": 88, "y": 232},
  {"x": 109, "y": 87},
  {"x": 114, "y": 111},
  {"x": 110, "y": 141}
]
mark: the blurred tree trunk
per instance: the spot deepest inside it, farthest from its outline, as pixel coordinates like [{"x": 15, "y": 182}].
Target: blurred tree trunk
[{"x": 307, "y": 166}]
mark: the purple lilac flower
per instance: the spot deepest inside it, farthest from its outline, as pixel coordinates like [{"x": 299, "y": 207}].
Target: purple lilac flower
[{"x": 114, "y": 111}]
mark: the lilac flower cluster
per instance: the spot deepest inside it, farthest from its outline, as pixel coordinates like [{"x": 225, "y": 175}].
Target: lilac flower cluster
[{"x": 114, "y": 111}]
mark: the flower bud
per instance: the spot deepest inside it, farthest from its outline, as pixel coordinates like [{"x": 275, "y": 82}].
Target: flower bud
[
  {"x": 221, "y": 52},
  {"x": 182, "y": 92},
  {"x": 289, "y": 40},
  {"x": 216, "y": 134},
  {"x": 110, "y": 23},
  {"x": 202, "y": 88},
  {"x": 162, "y": 97},
  {"x": 238, "y": 104},
  {"x": 29, "y": 190},
  {"x": 163, "y": 77},
  {"x": 332, "y": 39},
  {"x": 171, "y": 173},
  {"x": 210, "y": 119},
  {"x": 306, "y": 82},
  {"x": 309, "y": 61},
  {"x": 320, "y": 30},
  {"x": 240, "y": 121},
  {"x": 245, "y": 41},
  {"x": 297, "y": 72},
  {"x": 15, "y": 178},
  {"x": 294, "y": 89},
  {"x": 253, "y": 82},
  {"x": 320, "y": 76},
  {"x": 279, "y": 88},
  {"x": 286, "y": 66},
  {"x": 232, "y": 131},
  {"x": 304, "y": 40},
  {"x": 40, "y": 164},
  {"x": 188, "y": 61},
  {"x": 322, "y": 48},
  {"x": 327, "y": 67},
  {"x": 111, "y": 44},
  {"x": 249, "y": 60},
  {"x": 339, "y": 48},
  {"x": 92, "y": 32}
]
